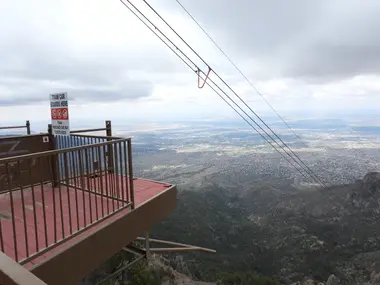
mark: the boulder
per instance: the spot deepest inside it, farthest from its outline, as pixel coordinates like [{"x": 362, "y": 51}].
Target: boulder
[{"x": 333, "y": 280}]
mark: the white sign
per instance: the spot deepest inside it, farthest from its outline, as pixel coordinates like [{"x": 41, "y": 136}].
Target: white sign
[{"x": 59, "y": 109}]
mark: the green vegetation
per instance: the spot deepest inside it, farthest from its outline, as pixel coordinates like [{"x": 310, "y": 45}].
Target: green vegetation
[
  {"x": 142, "y": 274},
  {"x": 251, "y": 233},
  {"x": 263, "y": 236},
  {"x": 215, "y": 219},
  {"x": 244, "y": 278}
]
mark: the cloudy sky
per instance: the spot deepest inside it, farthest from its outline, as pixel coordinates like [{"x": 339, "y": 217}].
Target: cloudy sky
[{"x": 301, "y": 54}]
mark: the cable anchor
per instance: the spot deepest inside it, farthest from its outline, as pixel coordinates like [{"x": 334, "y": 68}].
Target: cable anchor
[{"x": 199, "y": 77}]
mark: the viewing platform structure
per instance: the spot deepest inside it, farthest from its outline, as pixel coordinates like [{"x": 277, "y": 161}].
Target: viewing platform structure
[{"x": 69, "y": 203}]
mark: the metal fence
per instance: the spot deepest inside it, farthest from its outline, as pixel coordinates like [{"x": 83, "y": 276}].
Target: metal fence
[
  {"x": 89, "y": 181},
  {"x": 26, "y": 126},
  {"x": 78, "y": 138},
  {"x": 25, "y": 144}
]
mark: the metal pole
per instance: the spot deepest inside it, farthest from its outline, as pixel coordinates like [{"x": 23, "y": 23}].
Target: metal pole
[
  {"x": 108, "y": 128},
  {"x": 109, "y": 147},
  {"x": 27, "y": 127},
  {"x": 53, "y": 158},
  {"x": 130, "y": 174}
]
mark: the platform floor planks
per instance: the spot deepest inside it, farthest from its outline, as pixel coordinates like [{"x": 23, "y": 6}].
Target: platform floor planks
[{"x": 77, "y": 205}]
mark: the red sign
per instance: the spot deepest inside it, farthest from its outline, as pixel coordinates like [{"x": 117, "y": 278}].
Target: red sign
[
  {"x": 59, "y": 111},
  {"x": 60, "y": 114}
]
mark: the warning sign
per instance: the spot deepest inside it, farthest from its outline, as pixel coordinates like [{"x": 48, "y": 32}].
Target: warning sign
[{"x": 59, "y": 109}]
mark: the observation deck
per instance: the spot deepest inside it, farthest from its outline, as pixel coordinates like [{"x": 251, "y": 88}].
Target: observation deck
[{"x": 69, "y": 203}]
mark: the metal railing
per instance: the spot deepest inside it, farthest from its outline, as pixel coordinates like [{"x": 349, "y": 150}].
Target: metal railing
[
  {"x": 77, "y": 138},
  {"x": 107, "y": 128},
  {"x": 84, "y": 189},
  {"x": 26, "y": 126}
]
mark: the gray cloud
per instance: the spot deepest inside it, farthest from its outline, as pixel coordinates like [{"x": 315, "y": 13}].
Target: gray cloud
[
  {"x": 313, "y": 40},
  {"x": 34, "y": 66},
  {"x": 317, "y": 41},
  {"x": 128, "y": 91}
]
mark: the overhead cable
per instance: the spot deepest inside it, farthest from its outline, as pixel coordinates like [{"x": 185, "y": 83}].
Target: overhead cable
[
  {"x": 316, "y": 178},
  {"x": 197, "y": 70},
  {"x": 241, "y": 72}
]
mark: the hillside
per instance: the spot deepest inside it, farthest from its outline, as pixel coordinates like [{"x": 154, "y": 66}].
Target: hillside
[{"x": 284, "y": 233}]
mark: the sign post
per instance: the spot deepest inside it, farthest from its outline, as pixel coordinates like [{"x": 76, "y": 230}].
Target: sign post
[{"x": 59, "y": 109}]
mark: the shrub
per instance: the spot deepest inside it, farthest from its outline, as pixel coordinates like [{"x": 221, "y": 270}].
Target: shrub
[{"x": 244, "y": 278}]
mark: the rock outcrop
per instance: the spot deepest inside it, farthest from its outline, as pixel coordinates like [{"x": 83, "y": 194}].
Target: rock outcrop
[{"x": 370, "y": 185}]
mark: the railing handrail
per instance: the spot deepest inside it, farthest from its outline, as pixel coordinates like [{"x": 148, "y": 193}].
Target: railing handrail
[
  {"x": 73, "y": 133},
  {"x": 26, "y": 126},
  {"x": 88, "y": 130},
  {"x": 21, "y": 136},
  {"x": 12, "y": 273},
  {"x": 12, "y": 127},
  {"x": 59, "y": 151},
  {"x": 95, "y": 136}
]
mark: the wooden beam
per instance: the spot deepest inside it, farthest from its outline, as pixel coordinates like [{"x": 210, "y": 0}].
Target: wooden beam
[
  {"x": 120, "y": 270},
  {"x": 177, "y": 244},
  {"x": 134, "y": 250},
  {"x": 190, "y": 248},
  {"x": 147, "y": 246}
]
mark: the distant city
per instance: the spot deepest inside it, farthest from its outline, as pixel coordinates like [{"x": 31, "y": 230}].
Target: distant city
[{"x": 339, "y": 150}]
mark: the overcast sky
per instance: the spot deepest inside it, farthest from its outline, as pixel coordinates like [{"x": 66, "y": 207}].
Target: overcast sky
[{"x": 301, "y": 54}]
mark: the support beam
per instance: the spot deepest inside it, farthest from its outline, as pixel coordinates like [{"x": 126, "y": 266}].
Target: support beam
[
  {"x": 177, "y": 244},
  {"x": 120, "y": 270},
  {"x": 134, "y": 250},
  {"x": 147, "y": 249},
  {"x": 174, "y": 249}
]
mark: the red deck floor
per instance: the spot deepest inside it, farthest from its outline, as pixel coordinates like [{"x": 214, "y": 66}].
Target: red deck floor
[{"x": 51, "y": 231}]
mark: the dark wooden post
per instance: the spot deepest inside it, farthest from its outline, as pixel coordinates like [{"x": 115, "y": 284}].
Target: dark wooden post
[
  {"x": 28, "y": 127},
  {"x": 147, "y": 247},
  {"x": 109, "y": 147},
  {"x": 53, "y": 158}
]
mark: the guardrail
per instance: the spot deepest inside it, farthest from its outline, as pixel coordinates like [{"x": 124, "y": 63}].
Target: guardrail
[
  {"x": 26, "y": 126},
  {"x": 77, "y": 138},
  {"x": 107, "y": 128},
  {"x": 83, "y": 189}
]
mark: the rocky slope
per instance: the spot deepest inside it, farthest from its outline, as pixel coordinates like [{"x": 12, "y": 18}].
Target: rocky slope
[
  {"x": 337, "y": 228},
  {"x": 157, "y": 271},
  {"x": 281, "y": 231},
  {"x": 363, "y": 269}
]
